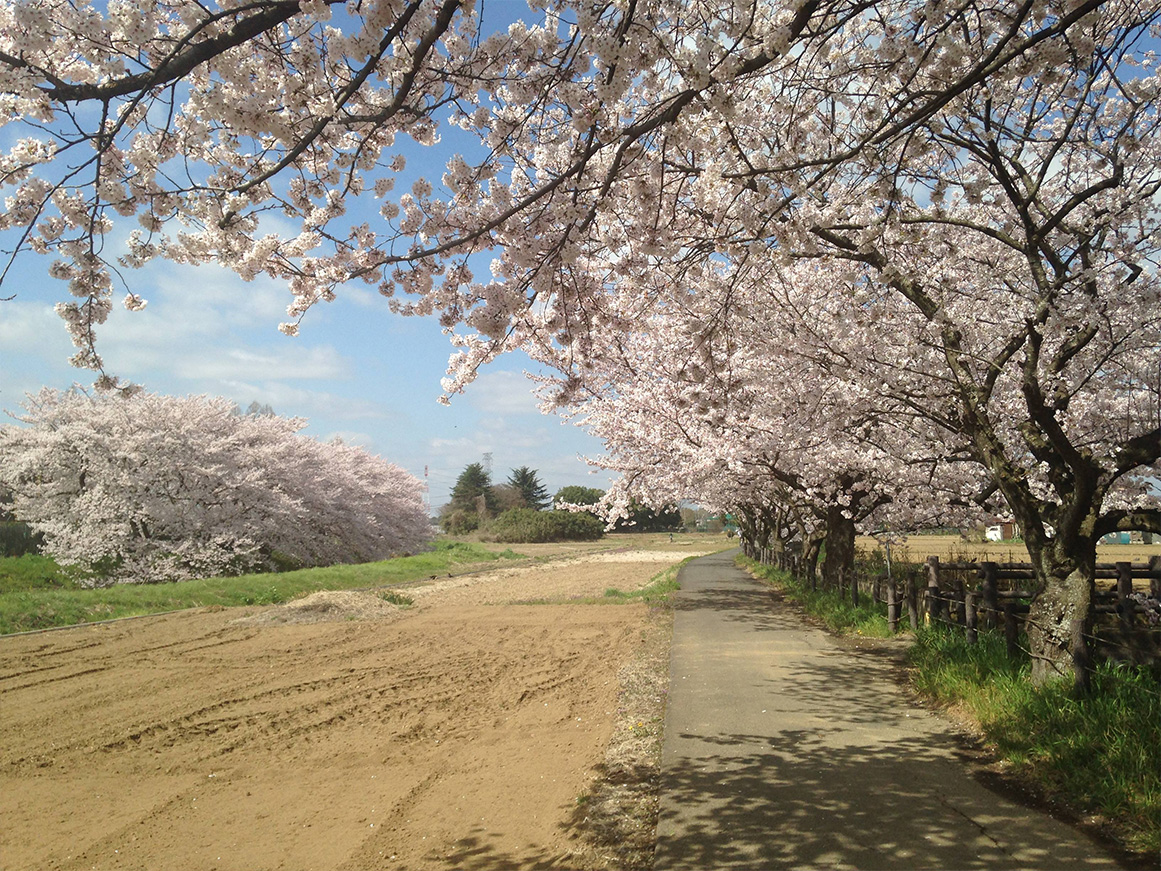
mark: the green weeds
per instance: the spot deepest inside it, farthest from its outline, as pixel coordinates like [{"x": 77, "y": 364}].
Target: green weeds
[
  {"x": 36, "y": 594},
  {"x": 656, "y": 593},
  {"x": 1099, "y": 754},
  {"x": 397, "y": 598},
  {"x": 835, "y": 611}
]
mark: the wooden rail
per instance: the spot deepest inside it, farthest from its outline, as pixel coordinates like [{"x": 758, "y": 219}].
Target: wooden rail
[
  {"x": 1127, "y": 623},
  {"x": 982, "y": 596}
]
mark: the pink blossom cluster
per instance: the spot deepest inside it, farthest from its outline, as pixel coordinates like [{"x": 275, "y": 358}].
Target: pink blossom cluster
[{"x": 152, "y": 488}]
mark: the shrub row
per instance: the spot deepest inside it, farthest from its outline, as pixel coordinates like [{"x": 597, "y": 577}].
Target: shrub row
[{"x": 527, "y": 525}]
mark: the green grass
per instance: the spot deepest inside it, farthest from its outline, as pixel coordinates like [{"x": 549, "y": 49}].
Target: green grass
[
  {"x": 1098, "y": 754},
  {"x": 36, "y": 594},
  {"x": 835, "y": 611},
  {"x": 33, "y": 572},
  {"x": 657, "y": 592},
  {"x": 397, "y": 598}
]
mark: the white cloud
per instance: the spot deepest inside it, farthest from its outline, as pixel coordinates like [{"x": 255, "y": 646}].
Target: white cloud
[
  {"x": 503, "y": 393},
  {"x": 319, "y": 362},
  {"x": 32, "y": 329},
  {"x": 289, "y": 400}
]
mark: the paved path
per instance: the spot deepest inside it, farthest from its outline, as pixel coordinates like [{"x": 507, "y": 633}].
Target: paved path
[{"x": 784, "y": 750}]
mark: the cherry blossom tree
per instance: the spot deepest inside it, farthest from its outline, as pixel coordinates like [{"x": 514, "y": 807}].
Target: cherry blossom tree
[
  {"x": 724, "y": 403},
  {"x": 201, "y": 120},
  {"x": 152, "y": 488},
  {"x": 1016, "y": 246},
  {"x": 990, "y": 272},
  {"x": 961, "y": 195}
]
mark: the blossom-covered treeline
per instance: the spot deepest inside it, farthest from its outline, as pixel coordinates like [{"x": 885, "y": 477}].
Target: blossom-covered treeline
[
  {"x": 847, "y": 252},
  {"x": 151, "y": 488}
]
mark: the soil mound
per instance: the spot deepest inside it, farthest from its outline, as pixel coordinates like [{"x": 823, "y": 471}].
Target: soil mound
[{"x": 327, "y": 606}]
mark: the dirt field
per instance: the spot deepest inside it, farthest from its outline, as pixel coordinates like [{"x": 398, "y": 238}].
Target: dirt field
[{"x": 337, "y": 732}]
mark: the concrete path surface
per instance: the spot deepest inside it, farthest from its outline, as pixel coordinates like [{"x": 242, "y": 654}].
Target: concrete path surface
[{"x": 784, "y": 749}]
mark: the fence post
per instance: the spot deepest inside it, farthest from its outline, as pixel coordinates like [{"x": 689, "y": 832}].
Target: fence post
[
  {"x": 1011, "y": 630},
  {"x": 913, "y": 601},
  {"x": 989, "y": 571},
  {"x": 970, "y": 614},
  {"x": 892, "y": 607},
  {"x": 960, "y": 607},
  {"x": 933, "y": 596},
  {"x": 855, "y": 587},
  {"x": 1124, "y": 603}
]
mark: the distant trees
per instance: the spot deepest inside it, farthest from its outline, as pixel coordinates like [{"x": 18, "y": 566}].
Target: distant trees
[
  {"x": 526, "y": 483},
  {"x": 529, "y": 525},
  {"x": 473, "y": 499},
  {"x": 515, "y": 510},
  {"x": 151, "y": 488},
  {"x": 642, "y": 518},
  {"x": 576, "y": 495}
]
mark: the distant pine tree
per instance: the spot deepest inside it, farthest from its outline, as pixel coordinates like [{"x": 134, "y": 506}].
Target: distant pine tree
[
  {"x": 525, "y": 481},
  {"x": 474, "y": 481}
]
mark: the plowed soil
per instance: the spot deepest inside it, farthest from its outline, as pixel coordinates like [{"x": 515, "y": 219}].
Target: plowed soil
[{"x": 338, "y": 732}]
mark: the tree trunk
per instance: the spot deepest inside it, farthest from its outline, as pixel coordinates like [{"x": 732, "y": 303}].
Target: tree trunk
[
  {"x": 839, "y": 562},
  {"x": 1060, "y": 620}
]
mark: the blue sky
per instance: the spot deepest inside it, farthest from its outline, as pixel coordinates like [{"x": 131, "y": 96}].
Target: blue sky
[{"x": 356, "y": 370}]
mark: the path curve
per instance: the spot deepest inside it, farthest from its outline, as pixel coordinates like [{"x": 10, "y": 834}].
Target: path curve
[{"x": 784, "y": 749}]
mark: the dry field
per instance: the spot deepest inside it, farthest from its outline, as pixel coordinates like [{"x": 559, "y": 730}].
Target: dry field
[
  {"x": 951, "y": 548},
  {"x": 342, "y": 732}
]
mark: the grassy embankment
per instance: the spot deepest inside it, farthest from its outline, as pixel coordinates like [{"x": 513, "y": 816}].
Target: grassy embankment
[
  {"x": 1097, "y": 755},
  {"x": 37, "y": 594}
]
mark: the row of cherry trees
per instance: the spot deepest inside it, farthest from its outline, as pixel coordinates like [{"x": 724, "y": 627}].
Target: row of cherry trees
[
  {"x": 842, "y": 261},
  {"x": 150, "y": 488}
]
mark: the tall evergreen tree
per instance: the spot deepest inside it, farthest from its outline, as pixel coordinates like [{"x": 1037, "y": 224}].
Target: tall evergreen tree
[
  {"x": 474, "y": 481},
  {"x": 525, "y": 481}
]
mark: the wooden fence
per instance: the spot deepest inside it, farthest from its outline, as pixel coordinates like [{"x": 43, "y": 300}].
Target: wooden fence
[
  {"x": 989, "y": 595},
  {"x": 975, "y": 596}
]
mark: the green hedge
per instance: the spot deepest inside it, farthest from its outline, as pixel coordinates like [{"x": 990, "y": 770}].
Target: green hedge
[{"x": 527, "y": 525}]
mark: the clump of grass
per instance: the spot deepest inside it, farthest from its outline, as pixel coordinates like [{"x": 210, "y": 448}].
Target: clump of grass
[
  {"x": 47, "y": 601},
  {"x": 1099, "y": 754},
  {"x": 396, "y": 598},
  {"x": 833, "y": 609},
  {"x": 657, "y": 592}
]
